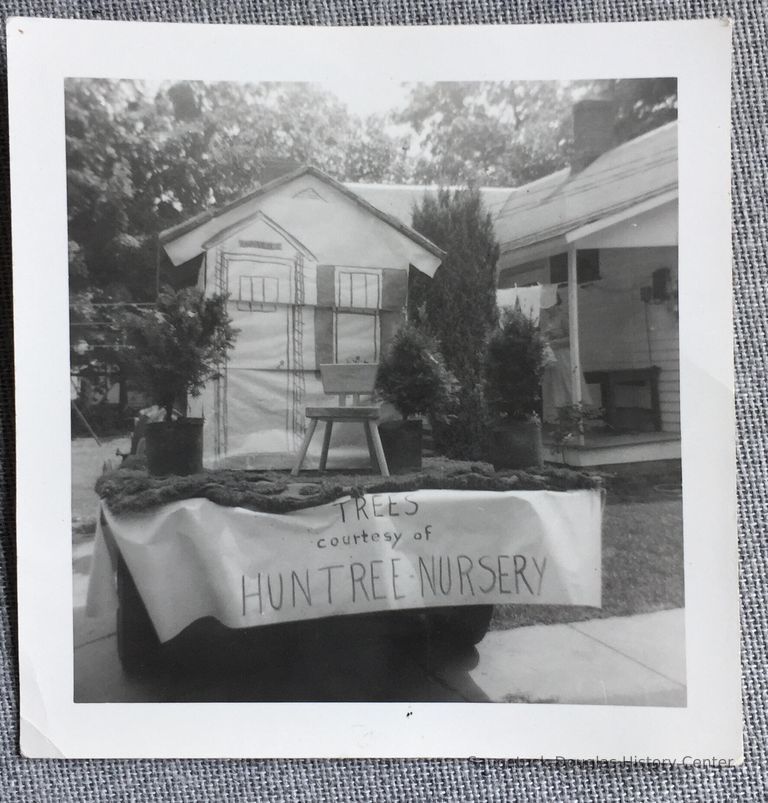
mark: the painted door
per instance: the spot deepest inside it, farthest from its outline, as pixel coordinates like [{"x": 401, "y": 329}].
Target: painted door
[{"x": 259, "y": 371}]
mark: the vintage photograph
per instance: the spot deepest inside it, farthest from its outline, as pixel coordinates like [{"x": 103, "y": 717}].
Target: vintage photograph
[
  {"x": 361, "y": 372},
  {"x": 375, "y": 391}
]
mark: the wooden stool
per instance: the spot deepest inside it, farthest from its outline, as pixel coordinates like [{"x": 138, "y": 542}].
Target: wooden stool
[{"x": 354, "y": 379}]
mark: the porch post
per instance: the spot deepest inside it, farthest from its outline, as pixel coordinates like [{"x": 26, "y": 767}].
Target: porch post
[{"x": 573, "y": 331}]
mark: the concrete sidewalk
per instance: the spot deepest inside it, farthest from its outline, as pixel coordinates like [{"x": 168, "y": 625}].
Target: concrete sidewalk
[{"x": 629, "y": 660}]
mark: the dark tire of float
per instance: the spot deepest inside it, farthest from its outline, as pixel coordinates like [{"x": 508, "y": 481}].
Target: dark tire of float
[
  {"x": 461, "y": 626},
  {"x": 138, "y": 646}
]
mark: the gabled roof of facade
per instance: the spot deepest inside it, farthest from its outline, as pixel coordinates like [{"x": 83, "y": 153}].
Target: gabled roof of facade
[
  {"x": 175, "y": 232},
  {"x": 630, "y": 174}
]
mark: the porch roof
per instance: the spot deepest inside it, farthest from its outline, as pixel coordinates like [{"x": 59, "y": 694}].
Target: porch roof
[{"x": 630, "y": 175}]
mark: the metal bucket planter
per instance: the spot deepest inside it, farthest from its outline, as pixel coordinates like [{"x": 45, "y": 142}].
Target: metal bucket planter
[
  {"x": 516, "y": 444},
  {"x": 402, "y": 442}
]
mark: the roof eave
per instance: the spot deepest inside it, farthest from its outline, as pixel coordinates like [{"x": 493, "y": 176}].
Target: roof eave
[
  {"x": 181, "y": 229},
  {"x": 664, "y": 195},
  {"x": 174, "y": 232}
]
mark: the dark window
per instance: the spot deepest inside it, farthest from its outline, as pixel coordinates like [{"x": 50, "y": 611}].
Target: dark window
[
  {"x": 587, "y": 267},
  {"x": 660, "y": 282},
  {"x": 510, "y": 277}
]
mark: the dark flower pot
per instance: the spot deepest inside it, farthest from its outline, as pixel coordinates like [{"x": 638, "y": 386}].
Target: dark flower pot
[
  {"x": 516, "y": 444},
  {"x": 402, "y": 445},
  {"x": 175, "y": 447}
]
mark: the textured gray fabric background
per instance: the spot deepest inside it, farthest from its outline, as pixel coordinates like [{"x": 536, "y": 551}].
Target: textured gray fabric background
[{"x": 177, "y": 780}]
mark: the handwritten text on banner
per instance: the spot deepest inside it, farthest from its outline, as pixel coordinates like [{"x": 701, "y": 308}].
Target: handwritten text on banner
[{"x": 382, "y": 551}]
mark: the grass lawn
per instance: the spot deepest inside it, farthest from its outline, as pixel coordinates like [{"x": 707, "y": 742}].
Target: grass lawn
[{"x": 642, "y": 567}]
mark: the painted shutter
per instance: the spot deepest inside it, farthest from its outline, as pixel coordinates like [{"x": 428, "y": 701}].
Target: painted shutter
[
  {"x": 394, "y": 291},
  {"x": 323, "y": 336},
  {"x": 325, "y": 286}
]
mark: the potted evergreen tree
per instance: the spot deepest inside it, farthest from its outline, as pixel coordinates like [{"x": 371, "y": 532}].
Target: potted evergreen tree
[
  {"x": 514, "y": 363},
  {"x": 174, "y": 349},
  {"x": 412, "y": 377}
]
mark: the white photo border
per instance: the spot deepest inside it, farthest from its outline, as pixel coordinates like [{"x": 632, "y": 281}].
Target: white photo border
[{"x": 42, "y": 53}]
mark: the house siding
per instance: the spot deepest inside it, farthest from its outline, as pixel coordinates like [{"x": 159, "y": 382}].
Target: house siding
[{"x": 617, "y": 330}]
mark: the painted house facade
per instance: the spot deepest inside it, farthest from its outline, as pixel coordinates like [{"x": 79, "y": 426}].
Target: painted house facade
[{"x": 315, "y": 274}]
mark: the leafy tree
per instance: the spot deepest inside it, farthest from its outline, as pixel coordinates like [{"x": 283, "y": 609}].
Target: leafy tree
[
  {"x": 491, "y": 133},
  {"x": 508, "y": 133},
  {"x": 642, "y": 104},
  {"x": 105, "y": 124},
  {"x": 377, "y": 156}
]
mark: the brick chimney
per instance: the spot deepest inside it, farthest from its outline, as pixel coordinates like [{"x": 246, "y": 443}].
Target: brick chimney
[{"x": 593, "y": 130}]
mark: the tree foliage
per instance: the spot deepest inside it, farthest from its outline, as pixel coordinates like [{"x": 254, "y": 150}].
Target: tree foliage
[
  {"x": 500, "y": 134},
  {"x": 642, "y": 104},
  {"x": 177, "y": 345},
  {"x": 411, "y": 375},
  {"x": 508, "y": 133},
  {"x": 460, "y": 302},
  {"x": 514, "y": 364},
  {"x": 459, "y": 307}
]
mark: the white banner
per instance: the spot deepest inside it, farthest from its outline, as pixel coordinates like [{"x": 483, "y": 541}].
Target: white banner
[{"x": 384, "y": 551}]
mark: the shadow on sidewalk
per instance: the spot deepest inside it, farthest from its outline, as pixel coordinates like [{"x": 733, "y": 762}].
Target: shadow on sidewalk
[{"x": 349, "y": 660}]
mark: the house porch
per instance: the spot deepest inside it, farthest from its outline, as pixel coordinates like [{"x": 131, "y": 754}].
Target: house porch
[{"x": 605, "y": 448}]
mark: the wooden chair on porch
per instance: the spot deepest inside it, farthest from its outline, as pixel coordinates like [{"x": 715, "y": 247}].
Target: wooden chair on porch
[{"x": 356, "y": 380}]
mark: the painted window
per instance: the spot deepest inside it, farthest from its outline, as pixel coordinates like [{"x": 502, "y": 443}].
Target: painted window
[
  {"x": 358, "y": 289},
  {"x": 356, "y": 337},
  {"x": 258, "y": 293}
]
